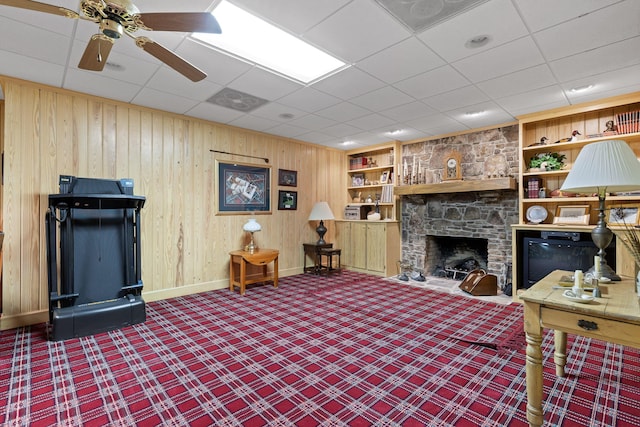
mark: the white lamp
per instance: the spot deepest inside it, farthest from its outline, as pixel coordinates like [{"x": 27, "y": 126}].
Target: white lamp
[
  {"x": 321, "y": 211},
  {"x": 251, "y": 226},
  {"x": 601, "y": 167}
]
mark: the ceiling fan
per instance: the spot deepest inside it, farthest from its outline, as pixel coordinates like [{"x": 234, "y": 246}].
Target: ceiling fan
[{"x": 121, "y": 17}]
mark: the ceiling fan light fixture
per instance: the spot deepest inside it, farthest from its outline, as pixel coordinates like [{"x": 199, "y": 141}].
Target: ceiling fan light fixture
[{"x": 111, "y": 28}]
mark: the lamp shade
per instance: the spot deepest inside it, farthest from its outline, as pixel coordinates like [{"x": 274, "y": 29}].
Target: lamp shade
[
  {"x": 320, "y": 211},
  {"x": 251, "y": 226},
  {"x": 606, "y": 166}
]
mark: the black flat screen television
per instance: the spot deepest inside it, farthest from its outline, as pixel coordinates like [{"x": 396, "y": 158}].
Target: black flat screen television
[{"x": 542, "y": 256}]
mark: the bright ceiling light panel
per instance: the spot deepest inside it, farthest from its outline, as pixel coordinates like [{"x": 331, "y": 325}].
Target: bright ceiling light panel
[{"x": 249, "y": 37}]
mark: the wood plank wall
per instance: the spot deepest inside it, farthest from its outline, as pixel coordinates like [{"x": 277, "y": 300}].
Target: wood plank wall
[{"x": 49, "y": 132}]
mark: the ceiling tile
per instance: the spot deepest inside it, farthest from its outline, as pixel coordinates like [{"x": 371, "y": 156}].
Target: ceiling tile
[
  {"x": 507, "y": 58},
  {"x": 168, "y": 80},
  {"x": 606, "y": 84},
  {"x": 294, "y": 15},
  {"x": 597, "y": 61},
  {"x": 215, "y": 113},
  {"x": 343, "y": 111},
  {"x": 497, "y": 19},
  {"x": 309, "y": 100},
  {"x": 312, "y": 122},
  {"x": 535, "y": 100},
  {"x": 274, "y": 111},
  {"x": 542, "y": 14},
  {"x": 33, "y": 42},
  {"x": 385, "y": 97},
  {"x": 148, "y": 97},
  {"x": 612, "y": 24},
  {"x": 220, "y": 68},
  {"x": 406, "y": 59},
  {"x": 468, "y": 95},
  {"x": 353, "y": 32},
  {"x": 98, "y": 84},
  {"x": 348, "y": 83},
  {"x": 517, "y": 82},
  {"x": 433, "y": 82},
  {"x": 22, "y": 67},
  {"x": 248, "y": 121},
  {"x": 436, "y": 124},
  {"x": 372, "y": 121},
  {"x": 493, "y": 114},
  {"x": 264, "y": 84},
  {"x": 408, "y": 111}
]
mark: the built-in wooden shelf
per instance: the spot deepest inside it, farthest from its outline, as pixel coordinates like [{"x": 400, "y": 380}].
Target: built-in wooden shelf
[{"x": 445, "y": 187}]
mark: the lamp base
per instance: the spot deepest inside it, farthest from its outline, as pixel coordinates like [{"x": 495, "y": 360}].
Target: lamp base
[
  {"x": 321, "y": 230},
  {"x": 605, "y": 271},
  {"x": 251, "y": 247},
  {"x": 602, "y": 236}
]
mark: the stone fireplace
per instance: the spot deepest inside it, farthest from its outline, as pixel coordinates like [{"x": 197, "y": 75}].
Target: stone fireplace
[{"x": 468, "y": 220}]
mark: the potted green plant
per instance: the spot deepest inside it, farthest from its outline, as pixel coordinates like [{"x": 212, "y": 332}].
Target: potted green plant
[{"x": 547, "y": 162}]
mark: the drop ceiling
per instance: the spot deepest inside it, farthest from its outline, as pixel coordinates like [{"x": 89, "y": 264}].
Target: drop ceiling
[{"x": 525, "y": 56}]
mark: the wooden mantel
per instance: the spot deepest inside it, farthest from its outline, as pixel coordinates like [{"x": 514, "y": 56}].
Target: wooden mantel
[{"x": 457, "y": 186}]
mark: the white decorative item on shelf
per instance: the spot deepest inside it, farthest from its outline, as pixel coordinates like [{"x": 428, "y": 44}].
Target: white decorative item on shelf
[
  {"x": 537, "y": 214},
  {"x": 251, "y": 226}
]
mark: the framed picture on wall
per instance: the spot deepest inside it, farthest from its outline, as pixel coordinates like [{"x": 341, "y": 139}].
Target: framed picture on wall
[
  {"x": 572, "y": 215},
  {"x": 624, "y": 215},
  {"x": 287, "y": 200},
  {"x": 243, "y": 188},
  {"x": 287, "y": 178}
]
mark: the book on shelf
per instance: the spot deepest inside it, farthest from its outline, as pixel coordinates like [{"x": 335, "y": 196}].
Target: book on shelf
[
  {"x": 629, "y": 122},
  {"x": 533, "y": 188},
  {"x": 387, "y": 194}
]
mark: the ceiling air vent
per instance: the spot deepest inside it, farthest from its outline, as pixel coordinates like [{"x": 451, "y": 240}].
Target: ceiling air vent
[
  {"x": 236, "y": 100},
  {"x": 422, "y": 14}
]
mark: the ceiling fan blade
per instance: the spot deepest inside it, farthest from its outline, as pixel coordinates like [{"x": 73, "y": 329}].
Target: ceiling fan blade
[
  {"x": 40, "y": 7},
  {"x": 171, "y": 59},
  {"x": 96, "y": 53},
  {"x": 189, "y": 22}
]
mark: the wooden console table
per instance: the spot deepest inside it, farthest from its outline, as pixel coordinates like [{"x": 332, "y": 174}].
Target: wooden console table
[
  {"x": 238, "y": 267},
  {"x": 613, "y": 318}
]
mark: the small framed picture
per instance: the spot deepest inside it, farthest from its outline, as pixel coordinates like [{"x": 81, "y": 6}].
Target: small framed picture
[
  {"x": 287, "y": 200},
  {"x": 287, "y": 178},
  {"x": 384, "y": 178},
  {"x": 357, "y": 180},
  {"x": 623, "y": 215},
  {"x": 572, "y": 215}
]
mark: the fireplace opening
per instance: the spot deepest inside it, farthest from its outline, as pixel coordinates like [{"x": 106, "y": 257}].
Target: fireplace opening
[{"x": 455, "y": 257}]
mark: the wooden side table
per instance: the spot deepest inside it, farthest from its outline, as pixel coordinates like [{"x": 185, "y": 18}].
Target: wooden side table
[
  {"x": 238, "y": 267},
  {"x": 613, "y": 318},
  {"x": 311, "y": 251}
]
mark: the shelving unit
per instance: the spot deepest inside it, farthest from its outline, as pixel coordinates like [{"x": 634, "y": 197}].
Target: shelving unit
[
  {"x": 371, "y": 246},
  {"x": 590, "y": 119},
  {"x": 372, "y": 174}
]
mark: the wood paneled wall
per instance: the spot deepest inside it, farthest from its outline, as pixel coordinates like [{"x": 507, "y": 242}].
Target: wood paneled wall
[{"x": 49, "y": 132}]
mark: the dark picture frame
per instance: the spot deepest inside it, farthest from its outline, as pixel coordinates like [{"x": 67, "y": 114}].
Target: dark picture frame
[
  {"x": 243, "y": 188},
  {"x": 287, "y": 200},
  {"x": 287, "y": 178}
]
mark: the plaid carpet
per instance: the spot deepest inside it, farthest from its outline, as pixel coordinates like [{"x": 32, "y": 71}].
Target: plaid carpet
[{"x": 349, "y": 350}]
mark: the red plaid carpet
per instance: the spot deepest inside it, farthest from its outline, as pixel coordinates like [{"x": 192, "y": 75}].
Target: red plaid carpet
[{"x": 350, "y": 350}]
